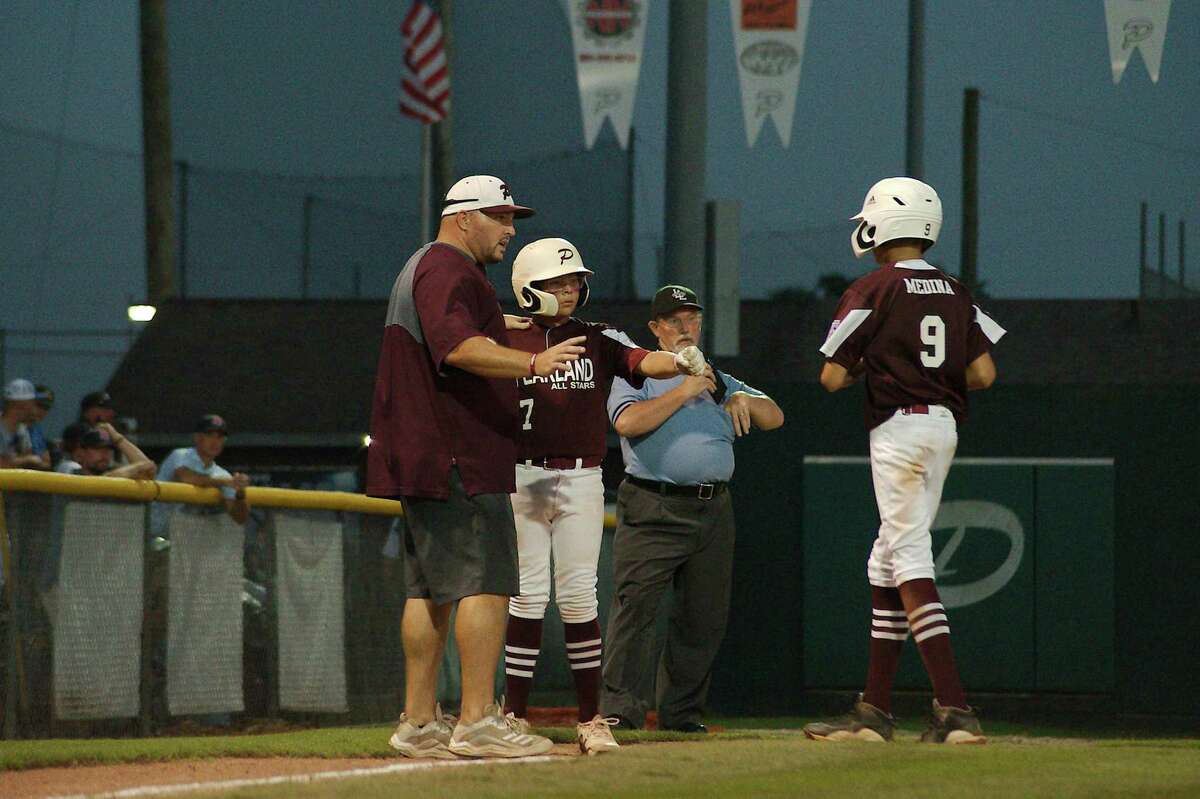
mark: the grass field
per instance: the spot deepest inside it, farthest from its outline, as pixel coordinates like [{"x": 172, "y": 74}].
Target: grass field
[{"x": 747, "y": 760}]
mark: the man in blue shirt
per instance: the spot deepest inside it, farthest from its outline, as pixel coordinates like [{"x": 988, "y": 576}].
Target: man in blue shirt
[
  {"x": 198, "y": 466},
  {"x": 674, "y": 523}
]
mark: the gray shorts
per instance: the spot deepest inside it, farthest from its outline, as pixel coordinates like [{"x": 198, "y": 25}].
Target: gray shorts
[{"x": 460, "y": 546}]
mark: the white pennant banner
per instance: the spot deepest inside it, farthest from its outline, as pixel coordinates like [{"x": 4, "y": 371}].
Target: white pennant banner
[
  {"x": 1136, "y": 25},
  {"x": 608, "y": 36},
  {"x": 768, "y": 36}
]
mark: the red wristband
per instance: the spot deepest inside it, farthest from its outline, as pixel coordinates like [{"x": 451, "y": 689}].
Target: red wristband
[{"x": 532, "y": 371}]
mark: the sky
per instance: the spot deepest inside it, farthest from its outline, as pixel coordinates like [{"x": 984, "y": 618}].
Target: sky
[{"x": 278, "y": 99}]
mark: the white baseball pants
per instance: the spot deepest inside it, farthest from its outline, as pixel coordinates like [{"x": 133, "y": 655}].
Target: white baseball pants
[
  {"x": 558, "y": 512},
  {"x": 910, "y": 458}
]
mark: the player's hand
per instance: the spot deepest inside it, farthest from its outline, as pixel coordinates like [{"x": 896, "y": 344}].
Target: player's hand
[
  {"x": 559, "y": 357},
  {"x": 512, "y": 322},
  {"x": 695, "y": 385},
  {"x": 738, "y": 408},
  {"x": 690, "y": 361},
  {"x": 239, "y": 481}
]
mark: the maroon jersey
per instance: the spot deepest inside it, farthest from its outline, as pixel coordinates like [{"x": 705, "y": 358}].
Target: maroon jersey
[
  {"x": 427, "y": 415},
  {"x": 564, "y": 415},
  {"x": 916, "y": 330}
]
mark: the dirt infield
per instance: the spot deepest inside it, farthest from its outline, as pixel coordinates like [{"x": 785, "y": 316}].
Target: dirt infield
[{"x": 90, "y": 780}]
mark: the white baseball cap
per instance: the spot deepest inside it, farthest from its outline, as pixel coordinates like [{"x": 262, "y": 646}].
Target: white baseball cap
[
  {"x": 482, "y": 193},
  {"x": 20, "y": 389}
]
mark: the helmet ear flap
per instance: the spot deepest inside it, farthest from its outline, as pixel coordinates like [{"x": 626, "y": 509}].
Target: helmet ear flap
[
  {"x": 538, "y": 303},
  {"x": 862, "y": 240},
  {"x": 584, "y": 291}
]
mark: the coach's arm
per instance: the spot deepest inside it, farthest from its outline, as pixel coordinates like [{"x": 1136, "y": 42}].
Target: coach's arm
[{"x": 481, "y": 356}]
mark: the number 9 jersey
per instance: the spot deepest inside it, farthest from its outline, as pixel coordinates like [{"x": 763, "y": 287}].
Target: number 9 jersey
[{"x": 915, "y": 329}]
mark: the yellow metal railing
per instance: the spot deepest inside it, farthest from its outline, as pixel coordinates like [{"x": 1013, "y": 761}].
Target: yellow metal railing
[{"x": 153, "y": 490}]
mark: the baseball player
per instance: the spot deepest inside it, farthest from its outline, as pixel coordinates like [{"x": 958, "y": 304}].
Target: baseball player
[
  {"x": 922, "y": 343},
  {"x": 559, "y": 502}
]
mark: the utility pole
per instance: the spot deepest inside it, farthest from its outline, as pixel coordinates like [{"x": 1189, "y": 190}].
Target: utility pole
[
  {"x": 156, "y": 152},
  {"x": 970, "y": 189},
  {"x": 687, "y": 103},
  {"x": 914, "y": 130}
]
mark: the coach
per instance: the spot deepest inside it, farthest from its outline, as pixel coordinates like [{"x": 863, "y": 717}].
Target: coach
[
  {"x": 443, "y": 430},
  {"x": 674, "y": 523}
]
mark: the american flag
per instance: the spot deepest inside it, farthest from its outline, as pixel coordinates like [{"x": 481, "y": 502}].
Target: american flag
[{"x": 425, "y": 87}]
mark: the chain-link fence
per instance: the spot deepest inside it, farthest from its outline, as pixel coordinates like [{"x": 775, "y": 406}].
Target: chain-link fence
[{"x": 124, "y": 616}]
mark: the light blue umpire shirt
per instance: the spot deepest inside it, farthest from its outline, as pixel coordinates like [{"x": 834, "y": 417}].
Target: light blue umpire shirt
[{"x": 694, "y": 445}]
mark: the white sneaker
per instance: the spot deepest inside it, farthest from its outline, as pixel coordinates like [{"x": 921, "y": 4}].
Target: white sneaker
[
  {"x": 595, "y": 737},
  {"x": 428, "y": 740},
  {"x": 492, "y": 736}
]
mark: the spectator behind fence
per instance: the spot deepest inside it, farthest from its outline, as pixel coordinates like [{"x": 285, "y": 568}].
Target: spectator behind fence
[
  {"x": 20, "y": 408},
  {"x": 43, "y": 401},
  {"x": 97, "y": 407},
  {"x": 197, "y": 465},
  {"x": 89, "y": 451}
]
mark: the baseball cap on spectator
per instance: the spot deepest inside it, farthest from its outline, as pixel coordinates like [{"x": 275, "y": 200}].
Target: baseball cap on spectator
[
  {"x": 72, "y": 433},
  {"x": 671, "y": 298},
  {"x": 212, "y": 423},
  {"x": 97, "y": 399},
  {"x": 482, "y": 193},
  {"x": 20, "y": 389},
  {"x": 95, "y": 438},
  {"x": 45, "y": 396}
]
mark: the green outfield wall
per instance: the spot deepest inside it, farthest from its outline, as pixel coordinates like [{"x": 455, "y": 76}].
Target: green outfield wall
[{"x": 1104, "y": 599}]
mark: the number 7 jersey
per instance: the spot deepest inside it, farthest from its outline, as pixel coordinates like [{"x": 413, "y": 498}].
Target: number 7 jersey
[
  {"x": 565, "y": 415},
  {"x": 916, "y": 329}
]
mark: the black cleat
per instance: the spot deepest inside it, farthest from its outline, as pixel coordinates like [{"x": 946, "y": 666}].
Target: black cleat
[
  {"x": 864, "y": 723},
  {"x": 953, "y": 725}
]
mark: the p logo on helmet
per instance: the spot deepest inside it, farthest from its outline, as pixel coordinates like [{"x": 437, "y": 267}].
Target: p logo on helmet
[{"x": 546, "y": 259}]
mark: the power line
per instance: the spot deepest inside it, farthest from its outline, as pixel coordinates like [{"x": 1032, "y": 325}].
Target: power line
[{"x": 1088, "y": 126}]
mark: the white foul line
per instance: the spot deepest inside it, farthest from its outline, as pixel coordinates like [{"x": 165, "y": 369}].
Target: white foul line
[{"x": 317, "y": 776}]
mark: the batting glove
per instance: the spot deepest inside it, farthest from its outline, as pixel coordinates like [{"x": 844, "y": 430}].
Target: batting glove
[{"x": 690, "y": 360}]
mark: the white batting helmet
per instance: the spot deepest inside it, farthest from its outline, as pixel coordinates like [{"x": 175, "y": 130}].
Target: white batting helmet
[
  {"x": 542, "y": 260},
  {"x": 897, "y": 208}
]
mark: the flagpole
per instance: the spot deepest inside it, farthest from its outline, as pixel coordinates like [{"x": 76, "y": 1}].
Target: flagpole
[{"x": 426, "y": 231}]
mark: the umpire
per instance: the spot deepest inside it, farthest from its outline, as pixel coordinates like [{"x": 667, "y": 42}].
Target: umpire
[{"x": 674, "y": 523}]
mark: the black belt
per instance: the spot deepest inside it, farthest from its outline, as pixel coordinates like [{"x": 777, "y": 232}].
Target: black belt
[{"x": 701, "y": 491}]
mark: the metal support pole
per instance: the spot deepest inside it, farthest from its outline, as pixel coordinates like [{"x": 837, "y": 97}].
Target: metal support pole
[
  {"x": 626, "y": 286},
  {"x": 970, "y": 189},
  {"x": 183, "y": 226},
  {"x": 306, "y": 246},
  {"x": 426, "y": 233},
  {"x": 443, "y": 157},
  {"x": 687, "y": 103},
  {"x": 914, "y": 138},
  {"x": 1182, "y": 263},
  {"x": 1162, "y": 253},
  {"x": 1142, "y": 252}
]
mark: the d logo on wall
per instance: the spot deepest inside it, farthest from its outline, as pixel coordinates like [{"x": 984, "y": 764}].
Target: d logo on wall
[
  {"x": 986, "y": 518},
  {"x": 608, "y": 36},
  {"x": 768, "y": 36},
  {"x": 1136, "y": 25}
]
